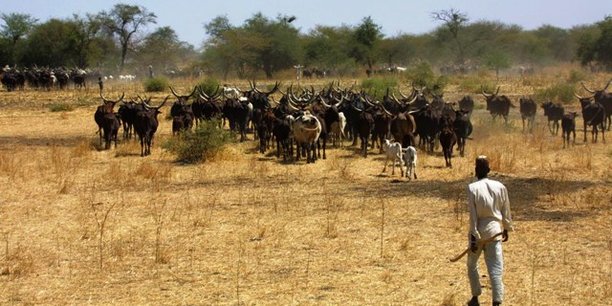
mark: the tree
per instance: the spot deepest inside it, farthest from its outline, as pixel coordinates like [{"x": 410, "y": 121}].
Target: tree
[
  {"x": 454, "y": 21},
  {"x": 596, "y": 45},
  {"x": 367, "y": 37},
  {"x": 125, "y": 21},
  {"x": 329, "y": 48},
  {"x": 230, "y": 47},
  {"x": 53, "y": 43},
  {"x": 163, "y": 48},
  {"x": 497, "y": 60},
  {"x": 16, "y": 26},
  {"x": 280, "y": 45}
]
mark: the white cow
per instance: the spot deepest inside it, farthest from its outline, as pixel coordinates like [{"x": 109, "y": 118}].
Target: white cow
[
  {"x": 410, "y": 158},
  {"x": 306, "y": 130},
  {"x": 393, "y": 152},
  {"x": 337, "y": 129}
]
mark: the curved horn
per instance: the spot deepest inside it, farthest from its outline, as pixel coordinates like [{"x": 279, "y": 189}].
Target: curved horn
[
  {"x": 323, "y": 102},
  {"x": 160, "y": 106},
  {"x": 356, "y": 108},
  {"x": 587, "y": 89},
  {"x": 174, "y": 92},
  {"x": 403, "y": 95},
  {"x": 385, "y": 110},
  {"x": 485, "y": 94},
  {"x": 610, "y": 81},
  {"x": 497, "y": 91},
  {"x": 413, "y": 99},
  {"x": 105, "y": 100}
]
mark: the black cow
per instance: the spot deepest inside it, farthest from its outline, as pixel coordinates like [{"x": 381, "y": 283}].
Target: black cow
[
  {"x": 498, "y": 105},
  {"x": 528, "y": 109},
  {"x": 127, "y": 113},
  {"x": 604, "y": 98},
  {"x": 568, "y": 125},
  {"x": 467, "y": 103},
  {"x": 365, "y": 122},
  {"x": 181, "y": 112},
  {"x": 146, "y": 124},
  {"x": 593, "y": 114},
  {"x": 448, "y": 139},
  {"x": 462, "y": 127},
  {"x": 107, "y": 120},
  {"x": 553, "y": 112}
]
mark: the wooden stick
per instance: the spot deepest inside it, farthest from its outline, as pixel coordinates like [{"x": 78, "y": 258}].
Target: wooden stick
[{"x": 481, "y": 244}]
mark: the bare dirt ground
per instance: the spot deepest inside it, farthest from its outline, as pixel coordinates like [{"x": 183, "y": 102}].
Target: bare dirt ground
[{"x": 83, "y": 226}]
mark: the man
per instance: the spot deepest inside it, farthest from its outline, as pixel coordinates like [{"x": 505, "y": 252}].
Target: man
[{"x": 490, "y": 218}]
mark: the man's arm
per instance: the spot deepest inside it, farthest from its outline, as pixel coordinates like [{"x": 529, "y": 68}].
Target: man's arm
[
  {"x": 473, "y": 222},
  {"x": 505, "y": 210}
]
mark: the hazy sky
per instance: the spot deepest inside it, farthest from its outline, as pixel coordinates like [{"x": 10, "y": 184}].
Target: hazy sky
[{"x": 187, "y": 17}]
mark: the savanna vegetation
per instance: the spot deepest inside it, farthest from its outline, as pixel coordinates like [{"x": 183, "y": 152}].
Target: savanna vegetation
[
  {"x": 81, "y": 225},
  {"x": 124, "y": 39}
]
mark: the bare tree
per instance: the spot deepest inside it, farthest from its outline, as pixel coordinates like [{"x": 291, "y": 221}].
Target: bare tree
[
  {"x": 124, "y": 21},
  {"x": 454, "y": 21}
]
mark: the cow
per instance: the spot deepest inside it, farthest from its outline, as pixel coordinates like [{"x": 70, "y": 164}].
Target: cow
[
  {"x": 553, "y": 112},
  {"x": 410, "y": 158},
  {"x": 107, "y": 120},
  {"x": 382, "y": 121},
  {"x": 127, "y": 113},
  {"x": 568, "y": 125},
  {"x": 467, "y": 103},
  {"x": 337, "y": 130},
  {"x": 604, "y": 98},
  {"x": 365, "y": 123},
  {"x": 393, "y": 152},
  {"x": 448, "y": 139},
  {"x": 181, "y": 112},
  {"x": 593, "y": 114},
  {"x": 282, "y": 133},
  {"x": 306, "y": 130},
  {"x": 462, "y": 127},
  {"x": 528, "y": 109},
  {"x": 146, "y": 124},
  {"x": 498, "y": 105}
]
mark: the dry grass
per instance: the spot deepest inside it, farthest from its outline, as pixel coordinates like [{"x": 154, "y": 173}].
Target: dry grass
[{"x": 83, "y": 226}]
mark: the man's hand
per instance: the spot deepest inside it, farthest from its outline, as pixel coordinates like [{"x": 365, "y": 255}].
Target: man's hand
[
  {"x": 473, "y": 244},
  {"x": 505, "y": 235}
]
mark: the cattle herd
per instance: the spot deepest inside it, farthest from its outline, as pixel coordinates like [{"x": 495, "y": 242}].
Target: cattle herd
[{"x": 303, "y": 120}]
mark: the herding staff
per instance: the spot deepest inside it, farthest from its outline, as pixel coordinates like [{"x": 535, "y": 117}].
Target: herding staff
[{"x": 480, "y": 243}]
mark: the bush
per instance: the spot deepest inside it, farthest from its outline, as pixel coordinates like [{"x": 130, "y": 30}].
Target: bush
[
  {"x": 201, "y": 144},
  {"x": 156, "y": 84},
  {"x": 61, "y": 107},
  {"x": 377, "y": 86},
  {"x": 475, "y": 84},
  {"x": 423, "y": 75},
  {"x": 209, "y": 85},
  {"x": 557, "y": 92},
  {"x": 576, "y": 76}
]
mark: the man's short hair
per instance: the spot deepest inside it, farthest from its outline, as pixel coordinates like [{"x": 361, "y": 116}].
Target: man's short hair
[{"x": 482, "y": 166}]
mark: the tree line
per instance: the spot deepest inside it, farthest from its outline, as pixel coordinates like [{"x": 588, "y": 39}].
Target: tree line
[{"x": 116, "y": 40}]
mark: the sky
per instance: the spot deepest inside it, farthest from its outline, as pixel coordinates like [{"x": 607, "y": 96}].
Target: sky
[{"x": 188, "y": 17}]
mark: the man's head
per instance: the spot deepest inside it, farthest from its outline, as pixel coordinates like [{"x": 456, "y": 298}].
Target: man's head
[{"x": 482, "y": 167}]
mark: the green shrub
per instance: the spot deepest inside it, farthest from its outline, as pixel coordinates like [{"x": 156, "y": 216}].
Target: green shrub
[
  {"x": 475, "y": 84},
  {"x": 377, "y": 86},
  {"x": 201, "y": 144},
  {"x": 557, "y": 92},
  {"x": 61, "y": 107},
  {"x": 576, "y": 76},
  {"x": 422, "y": 75},
  {"x": 156, "y": 84},
  {"x": 209, "y": 85}
]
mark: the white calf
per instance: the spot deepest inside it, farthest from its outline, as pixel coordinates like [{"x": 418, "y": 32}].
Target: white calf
[
  {"x": 394, "y": 152},
  {"x": 337, "y": 129},
  {"x": 410, "y": 158}
]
